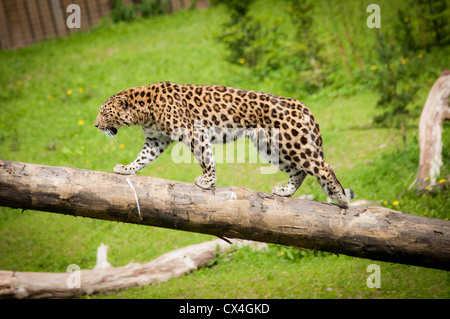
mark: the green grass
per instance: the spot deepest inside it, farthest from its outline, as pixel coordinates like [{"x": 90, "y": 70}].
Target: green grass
[
  {"x": 40, "y": 122},
  {"x": 270, "y": 274}
]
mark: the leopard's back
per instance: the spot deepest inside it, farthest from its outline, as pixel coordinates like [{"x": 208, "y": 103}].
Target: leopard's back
[{"x": 228, "y": 108}]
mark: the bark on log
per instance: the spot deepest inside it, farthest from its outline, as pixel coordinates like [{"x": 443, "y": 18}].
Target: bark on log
[
  {"x": 435, "y": 111},
  {"x": 82, "y": 282},
  {"x": 375, "y": 233}
]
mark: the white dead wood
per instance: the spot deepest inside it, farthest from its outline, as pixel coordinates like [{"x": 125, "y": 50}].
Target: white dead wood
[
  {"x": 104, "y": 278},
  {"x": 434, "y": 113},
  {"x": 102, "y": 257}
]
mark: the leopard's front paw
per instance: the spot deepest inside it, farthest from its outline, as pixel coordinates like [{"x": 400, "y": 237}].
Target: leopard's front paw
[
  {"x": 205, "y": 181},
  {"x": 286, "y": 191},
  {"x": 123, "y": 169}
]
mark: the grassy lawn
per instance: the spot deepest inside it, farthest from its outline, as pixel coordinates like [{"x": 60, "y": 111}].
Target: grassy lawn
[{"x": 49, "y": 98}]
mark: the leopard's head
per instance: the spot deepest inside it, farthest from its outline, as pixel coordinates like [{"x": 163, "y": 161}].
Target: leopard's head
[{"x": 114, "y": 113}]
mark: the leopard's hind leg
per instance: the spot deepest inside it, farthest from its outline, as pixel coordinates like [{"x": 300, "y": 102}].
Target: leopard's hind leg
[
  {"x": 332, "y": 186},
  {"x": 268, "y": 148},
  {"x": 296, "y": 179}
]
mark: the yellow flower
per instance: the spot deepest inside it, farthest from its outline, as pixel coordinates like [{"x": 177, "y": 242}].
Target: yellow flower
[
  {"x": 402, "y": 61},
  {"x": 442, "y": 180},
  {"x": 446, "y": 218},
  {"x": 19, "y": 82},
  {"x": 69, "y": 92},
  {"x": 121, "y": 146},
  {"x": 425, "y": 213},
  {"x": 373, "y": 67},
  {"x": 390, "y": 67},
  {"x": 395, "y": 202},
  {"x": 80, "y": 122},
  {"x": 420, "y": 55},
  {"x": 427, "y": 188},
  {"x": 281, "y": 253},
  {"x": 385, "y": 202},
  {"x": 241, "y": 61},
  {"x": 81, "y": 90}
]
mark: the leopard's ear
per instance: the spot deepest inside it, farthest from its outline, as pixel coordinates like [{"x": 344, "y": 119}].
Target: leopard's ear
[{"x": 121, "y": 102}]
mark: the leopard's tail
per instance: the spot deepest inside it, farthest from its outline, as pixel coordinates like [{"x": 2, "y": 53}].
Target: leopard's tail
[{"x": 333, "y": 187}]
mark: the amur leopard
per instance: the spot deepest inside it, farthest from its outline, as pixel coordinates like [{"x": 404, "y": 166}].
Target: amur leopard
[{"x": 283, "y": 129}]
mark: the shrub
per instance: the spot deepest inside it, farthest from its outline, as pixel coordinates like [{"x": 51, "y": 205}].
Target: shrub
[
  {"x": 395, "y": 74},
  {"x": 279, "y": 44},
  {"x": 121, "y": 12},
  {"x": 150, "y": 8}
]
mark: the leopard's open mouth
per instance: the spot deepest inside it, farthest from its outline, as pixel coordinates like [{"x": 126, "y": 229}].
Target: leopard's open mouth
[{"x": 111, "y": 131}]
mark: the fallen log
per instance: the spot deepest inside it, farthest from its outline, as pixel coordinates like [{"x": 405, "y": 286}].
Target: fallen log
[
  {"x": 434, "y": 113},
  {"x": 104, "y": 278},
  {"x": 375, "y": 233}
]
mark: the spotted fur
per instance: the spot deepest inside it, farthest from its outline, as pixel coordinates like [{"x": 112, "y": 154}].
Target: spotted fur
[{"x": 199, "y": 115}]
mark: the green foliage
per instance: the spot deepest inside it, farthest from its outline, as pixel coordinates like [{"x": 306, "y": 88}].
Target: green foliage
[
  {"x": 145, "y": 8},
  {"x": 305, "y": 58},
  {"x": 277, "y": 40},
  {"x": 149, "y": 8},
  {"x": 435, "y": 26},
  {"x": 396, "y": 72},
  {"x": 292, "y": 255},
  {"x": 121, "y": 12},
  {"x": 246, "y": 36},
  {"x": 244, "y": 41},
  {"x": 237, "y": 9},
  {"x": 402, "y": 63},
  {"x": 285, "y": 42}
]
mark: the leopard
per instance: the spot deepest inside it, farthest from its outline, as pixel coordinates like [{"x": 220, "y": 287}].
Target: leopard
[{"x": 283, "y": 129}]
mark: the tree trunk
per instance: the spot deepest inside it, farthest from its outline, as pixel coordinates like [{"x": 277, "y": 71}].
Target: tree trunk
[
  {"x": 435, "y": 111},
  {"x": 370, "y": 232},
  {"x": 103, "y": 279}
]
